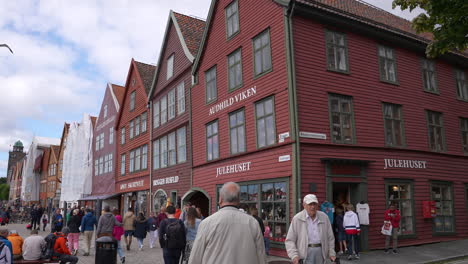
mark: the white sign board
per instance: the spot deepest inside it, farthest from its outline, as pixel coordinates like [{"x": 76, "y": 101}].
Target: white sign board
[
  {"x": 284, "y": 158},
  {"x": 312, "y": 135},
  {"x": 282, "y": 137},
  {"x": 167, "y": 180}
]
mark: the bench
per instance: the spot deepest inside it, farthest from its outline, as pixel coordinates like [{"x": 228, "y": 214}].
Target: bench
[{"x": 22, "y": 261}]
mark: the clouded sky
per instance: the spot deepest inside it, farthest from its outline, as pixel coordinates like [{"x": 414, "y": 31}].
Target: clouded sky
[{"x": 66, "y": 51}]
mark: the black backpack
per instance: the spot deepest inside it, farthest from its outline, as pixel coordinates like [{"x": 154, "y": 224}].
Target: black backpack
[
  {"x": 175, "y": 235},
  {"x": 48, "y": 251}
]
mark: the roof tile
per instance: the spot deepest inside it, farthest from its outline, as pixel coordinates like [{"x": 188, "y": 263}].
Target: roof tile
[
  {"x": 146, "y": 73},
  {"x": 119, "y": 92},
  {"x": 192, "y": 30}
]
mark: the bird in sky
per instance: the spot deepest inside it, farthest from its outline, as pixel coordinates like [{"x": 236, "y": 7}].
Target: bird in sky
[{"x": 6, "y": 46}]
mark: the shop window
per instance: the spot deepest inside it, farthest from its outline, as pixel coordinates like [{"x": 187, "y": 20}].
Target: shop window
[
  {"x": 262, "y": 53},
  {"x": 387, "y": 65},
  {"x": 180, "y": 98},
  {"x": 156, "y": 155},
  {"x": 160, "y": 199},
  {"x": 401, "y": 194},
  {"x": 212, "y": 141},
  {"x": 164, "y": 110},
  {"x": 436, "y": 133},
  {"x": 337, "y": 52},
  {"x": 441, "y": 193},
  {"x": 111, "y": 135},
  {"x": 462, "y": 85},
  {"x": 464, "y": 133},
  {"x": 156, "y": 114},
  {"x": 170, "y": 67},
  {"x": 172, "y": 148},
  {"x": 393, "y": 125},
  {"x": 265, "y": 122},
  {"x": 137, "y": 126},
  {"x": 122, "y": 135},
  {"x": 211, "y": 90},
  {"x": 122, "y": 164},
  {"x": 181, "y": 145},
  {"x": 429, "y": 76},
  {"x": 171, "y": 104},
  {"x": 342, "y": 119},
  {"x": 144, "y": 122},
  {"x": 237, "y": 131},
  {"x": 232, "y": 19},
  {"x": 235, "y": 70},
  {"x": 132, "y": 100}
]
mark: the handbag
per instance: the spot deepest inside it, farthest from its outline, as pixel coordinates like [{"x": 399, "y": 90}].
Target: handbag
[{"x": 387, "y": 228}]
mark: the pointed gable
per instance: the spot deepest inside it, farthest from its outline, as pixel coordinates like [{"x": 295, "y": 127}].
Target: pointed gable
[
  {"x": 146, "y": 72},
  {"x": 54, "y": 154},
  {"x": 119, "y": 92},
  {"x": 192, "y": 31}
]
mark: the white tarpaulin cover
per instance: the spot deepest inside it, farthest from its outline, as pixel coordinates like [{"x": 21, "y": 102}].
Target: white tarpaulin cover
[
  {"x": 31, "y": 180},
  {"x": 77, "y": 161}
]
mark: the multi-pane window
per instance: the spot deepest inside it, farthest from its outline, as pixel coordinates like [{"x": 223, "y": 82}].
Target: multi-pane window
[
  {"x": 435, "y": 125},
  {"x": 237, "y": 131},
  {"x": 180, "y": 98},
  {"x": 262, "y": 53},
  {"x": 163, "y": 110},
  {"x": 101, "y": 165},
  {"x": 429, "y": 75},
  {"x": 211, "y": 90},
  {"x": 144, "y": 123},
  {"x": 401, "y": 194},
  {"x": 106, "y": 164},
  {"x": 156, "y": 155},
  {"x": 137, "y": 126},
  {"x": 270, "y": 199},
  {"x": 96, "y": 167},
  {"x": 163, "y": 147},
  {"x": 172, "y": 148},
  {"x": 132, "y": 100},
  {"x": 105, "y": 111},
  {"x": 232, "y": 19},
  {"x": 111, "y": 135},
  {"x": 122, "y": 164},
  {"x": 156, "y": 114},
  {"x": 122, "y": 135},
  {"x": 132, "y": 162},
  {"x": 342, "y": 120},
  {"x": 462, "y": 85},
  {"x": 170, "y": 67},
  {"x": 387, "y": 65},
  {"x": 110, "y": 162},
  {"x": 464, "y": 133},
  {"x": 137, "y": 159},
  {"x": 337, "y": 52},
  {"x": 181, "y": 145},
  {"x": 212, "y": 141},
  {"x": 441, "y": 193},
  {"x": 144, "y": 157},
  {"x": 265, "y": 122},
  {"x": 171, "y": 104},
  {"x": 101, "y": 141},
  {"x": 97, "y": 142},
  {"x": 393, "y": 125},
  {"x": 235, "y": 69},
  {"x": 131, "y": 128}
]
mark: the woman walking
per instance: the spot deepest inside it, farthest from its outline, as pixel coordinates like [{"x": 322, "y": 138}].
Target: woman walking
[
  {"x": 73, "y": 238},
  {"x": 191, "y": 229},
  {"x": 141, "y": 228},
  {"x": 153, "y": 229},
  {"x": 117, "y": 234}
]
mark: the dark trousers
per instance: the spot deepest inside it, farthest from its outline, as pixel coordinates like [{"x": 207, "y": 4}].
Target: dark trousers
[
  {"x": 171, "y": 256},
  {"x": 67, "y": 259},
  {"x": 353, "y": 244},
  {"x": 35, "y": 223}
]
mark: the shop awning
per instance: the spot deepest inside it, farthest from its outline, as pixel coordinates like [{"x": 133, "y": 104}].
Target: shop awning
[
  {"x": 98, "y": 197},
  {"x": 346, "y": 161}
]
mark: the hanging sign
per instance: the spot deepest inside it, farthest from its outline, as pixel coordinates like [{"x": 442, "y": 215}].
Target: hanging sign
[
  {"x": 233, "y": 99},
  {"x": 397, "y": 163},
  {"x": 234, "y": 168}
]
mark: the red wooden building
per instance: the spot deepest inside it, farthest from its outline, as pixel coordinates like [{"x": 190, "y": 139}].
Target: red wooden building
[
  {"x": 334, "y": 98},
  {"x": 132, "y": 130},
  {"x": 169, "y": 97}
]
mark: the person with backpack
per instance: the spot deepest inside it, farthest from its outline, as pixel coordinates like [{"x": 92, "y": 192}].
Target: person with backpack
[
  {"x": 87, "y": 227},
  {"x": 57, "y": 221},
  {"x": 141, "y": 228},
  {"x": 129, "y": 227},
  {"x": 153, "y": 229},
  {"x": 191, "y": 228},
  {"x": 33, "y": 246},
  {"x": 117, "y": 234},
  {"x": 74, "y": 224},
  {"x": 6, "y": 248},
  {"x": 172, "y": 237},
  {"x": 60, "y": 249}
]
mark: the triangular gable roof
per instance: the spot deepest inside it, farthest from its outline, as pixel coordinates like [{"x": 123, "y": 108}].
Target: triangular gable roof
[
  {"x": 45, "y": 162},
  {"x": 145, "y": 73},
  {"x": 66, "y": 126},
  {"x": 190, "y": 32},
  {"x": 54, "y": 151},
  {"x": 118, "y": 93}
]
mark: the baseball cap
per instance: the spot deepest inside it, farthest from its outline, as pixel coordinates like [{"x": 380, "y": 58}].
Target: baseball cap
[{"x": 310, "y": 198}]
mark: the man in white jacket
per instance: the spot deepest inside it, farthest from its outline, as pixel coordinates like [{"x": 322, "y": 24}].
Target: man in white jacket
[{"x": 310, "y": 236}]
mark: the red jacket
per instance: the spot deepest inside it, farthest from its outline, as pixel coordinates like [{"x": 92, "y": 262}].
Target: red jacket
[
  {"x": 61, "y": 244},
  {"x": 393, "y": 216}
]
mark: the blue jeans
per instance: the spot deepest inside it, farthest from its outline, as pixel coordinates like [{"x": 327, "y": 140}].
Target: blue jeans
[
  {"x": 119, "y": 250},
  {"x": 171, "y": 256},
  {"x": 267, "y": 245},
  {"x": 140, "y": 242},
  {"x": 353, "y": 244}
]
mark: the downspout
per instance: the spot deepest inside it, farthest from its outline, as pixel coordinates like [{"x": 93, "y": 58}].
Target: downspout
[
  {"x": 293, "y": 108},
  {"x": 150, "y": 154}
]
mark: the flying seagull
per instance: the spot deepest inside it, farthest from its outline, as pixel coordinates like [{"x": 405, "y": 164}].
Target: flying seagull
[{"x": 6, "y": 46}]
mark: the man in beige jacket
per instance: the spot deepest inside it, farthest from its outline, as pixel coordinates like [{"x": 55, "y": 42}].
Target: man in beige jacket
[
  {"x": 310, "y": 236},
  {"x": 229, "y": 236},
  {"x": 129, "y": 227}
]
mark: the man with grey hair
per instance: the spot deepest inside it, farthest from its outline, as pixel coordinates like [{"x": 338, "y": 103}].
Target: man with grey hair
[
  {"x": 33, "y": 246},
  {"x": 228, "y": 236}
]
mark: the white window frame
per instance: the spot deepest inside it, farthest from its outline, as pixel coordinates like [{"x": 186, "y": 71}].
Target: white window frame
[
  {"x": 144, "y": 157},
  {"x": 164, "y": 110},
  {"x": 111, "y": 162},
  {"x": 171, "y": 146},
  {"x": 156, "y": 155},
  {"x": 122, "y": 135},
  {"x": 156, "y": 114},
  {"x": 132, "y": 100},
  {"x": 122, "y": 164},
  {"x": 105, "y": 111},
  {"x": 101, "y": 141},
  {"x": 181, "y": 145},
  {"x": 131, "y": 127},
  {"x": 170, "y": 67},
  {"x": 144, "y": 122},
  {"x": 180, "y": 98},
  {"x": 164, "y": 152},
  {"x": 171, "y": 111},
  {"x": 137, "y": 126},
  {"x": 131, "y": 167},
  {"x": 111, "y": 135}
]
